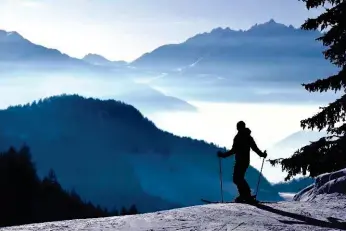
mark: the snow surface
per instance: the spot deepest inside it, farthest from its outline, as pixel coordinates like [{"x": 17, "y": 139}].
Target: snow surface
[
  {"x": 322, "y": 206},
  {"x": 287, "y": 196},
  {"x": 328, "y": 183},
  {"x": 317, "y": 215}
]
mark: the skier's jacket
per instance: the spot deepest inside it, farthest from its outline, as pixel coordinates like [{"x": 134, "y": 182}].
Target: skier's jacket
[{"x": 242, "y": 143}]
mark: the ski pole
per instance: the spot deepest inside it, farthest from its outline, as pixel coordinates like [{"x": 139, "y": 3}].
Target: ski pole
[
  {"x": 259, "y": 179},
  {"x": 220, "y": 173}
]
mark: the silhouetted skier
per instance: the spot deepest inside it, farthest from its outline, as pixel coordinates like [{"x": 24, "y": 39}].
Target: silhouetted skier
[{"x": 242, "y": 143}]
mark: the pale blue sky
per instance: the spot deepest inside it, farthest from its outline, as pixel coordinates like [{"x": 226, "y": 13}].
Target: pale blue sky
[{"x": 125, "y": 29}]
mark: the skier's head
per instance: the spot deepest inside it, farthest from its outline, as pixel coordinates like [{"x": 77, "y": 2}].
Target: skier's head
[{"x": 241, "y": 125}]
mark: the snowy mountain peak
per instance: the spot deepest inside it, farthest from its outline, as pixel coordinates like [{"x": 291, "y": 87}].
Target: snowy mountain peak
[
  {"x": 96, "y": 59},
  {"x": 13, "y": 34},
  {"x": 269, "y": 28},
  {"x": 221, "y": 30},
  {"x": 271, "y": 21},
  {"x": 270, "y": 25},
  {"x": 10, "y": 35}
]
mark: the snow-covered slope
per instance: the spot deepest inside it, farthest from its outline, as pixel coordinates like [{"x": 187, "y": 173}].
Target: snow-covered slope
[
  {"x": 324, "y": 211},
  {"x": 281, "y": 216},
  {"x": 328, "y": 183}
]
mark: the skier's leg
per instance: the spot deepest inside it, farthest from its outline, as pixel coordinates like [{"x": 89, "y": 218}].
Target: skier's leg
[
  {"x": 245, "y": 185},
  {"x": 239, "y": 180}
]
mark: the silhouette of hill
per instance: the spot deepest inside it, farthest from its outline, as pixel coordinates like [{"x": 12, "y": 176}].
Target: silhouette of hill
[
  {"x": 14, "y": 47},
  {"x": 147, "y": 99},
  {"x": 114, "y": 156},
  {"x": 96, "y": 59},
  {"x": 19, "y": 56},
  {"x": 299, "y": 139},
  {"x": 17, "y": 51},
  {"x": 295, "y": 185},
  {"x": 25, "y": 198},
  {"x": 286, "y": 147}
]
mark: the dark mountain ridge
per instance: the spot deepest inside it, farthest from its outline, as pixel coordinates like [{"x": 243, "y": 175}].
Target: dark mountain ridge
[{"x": 114, "y": 156}]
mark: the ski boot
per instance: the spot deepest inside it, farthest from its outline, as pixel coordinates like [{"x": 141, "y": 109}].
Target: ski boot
[{"x": 246, "y": 200}]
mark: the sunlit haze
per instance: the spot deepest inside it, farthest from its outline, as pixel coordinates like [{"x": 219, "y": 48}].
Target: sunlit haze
[
  {"x": 213, "y": 122},
  {"x": 209, "y": 91},
  {"x": 126, "y": 29}
]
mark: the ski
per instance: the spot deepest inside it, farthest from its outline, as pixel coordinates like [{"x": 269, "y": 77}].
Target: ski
[
  {"x": 234, "y": 202},
  {"x": 228, "y": 202},
  {"x": 216, "y": 202}
]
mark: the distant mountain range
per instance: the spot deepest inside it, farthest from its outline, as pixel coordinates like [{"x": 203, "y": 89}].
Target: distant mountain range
[
  {"x": 217, "y": 53},
  {"x": 19, "y": 54},
  {"x": 113, "y": 156},
  {"x": 295, "y": 185},
  {"x": 21, "y": 58},
  {"x": 270, "y": 41},
  {"x": 265, "y": 53},
  {"x": 96, "y": 59},
  {"x": 15, "y": 49},
  {"x": 300, "y": 139},
  {"x": 268, "y": 62}
]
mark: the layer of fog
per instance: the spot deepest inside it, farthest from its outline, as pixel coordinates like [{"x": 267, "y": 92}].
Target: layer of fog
[
  {"x": 213, "y": 122},
  {"x": 216, "y": 122},
  {"x": 20, "y": 90}
]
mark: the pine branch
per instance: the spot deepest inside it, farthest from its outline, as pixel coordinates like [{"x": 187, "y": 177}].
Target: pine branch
[
  {"x": 334, "y": 82},
  {"x": 333, "y": 18},
  {"x": 326, "y": 154},
  {"x": 328, "y": 117},
  {"x": 275, "y": 161},
  {"x": 335, "y": 54},
  {"x": 339, "y": 131},
  {"x": 329, "y": 18},
  {"x": 316, "y": 3}
]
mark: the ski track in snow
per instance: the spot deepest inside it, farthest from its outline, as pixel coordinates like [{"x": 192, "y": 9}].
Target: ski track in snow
[{"x": 315, "y": 215}]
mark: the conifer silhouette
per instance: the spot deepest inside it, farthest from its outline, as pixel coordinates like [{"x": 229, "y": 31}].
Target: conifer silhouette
[{"x": 329, "y": 153}]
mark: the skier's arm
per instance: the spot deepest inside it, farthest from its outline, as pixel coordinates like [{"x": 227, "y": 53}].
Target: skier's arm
[
  {"x": 256, "y": 149},
  {"x": 228, "y": 153}
]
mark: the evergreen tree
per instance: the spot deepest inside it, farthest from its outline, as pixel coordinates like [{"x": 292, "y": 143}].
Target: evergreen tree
[
  {"x": 329, "y": 153},
  {"x": 123, "y": 211},
  {"x": 133, "y": 210},
  {"x": 114, "y": 212},
  {"x": 24, "y": 198},
  {"x": 52, "y": 177}
]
